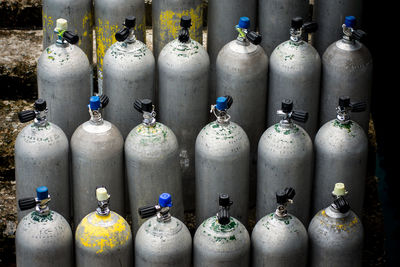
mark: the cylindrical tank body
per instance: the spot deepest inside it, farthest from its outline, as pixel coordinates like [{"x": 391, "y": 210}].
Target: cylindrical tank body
[
  {"x": 241, "y": 71},
  {"x": 220, "y": 245},
  {"x": 274, "y": 19},
  {"x": 41, "y": 157},
  {"x": 108, "y": 16},
  {"x": 346, "y": 70},
  {"x": 64, "y": 80},
  {"x": 160, "y": 244},
  {"x": 183, "y": 95},
  {"x": 329, "y": 15},
  {"x": 294, "y": 72},
  {"x": 103, "y": 238},
  {"x": 341, "y": 153},
  {"x": 279, "y": 241},
  {"x": 221, "y": 16},
  {"x": 128, "y": 74},
  {"x": 166, "y": 16},
  {"x": 285, "y": 158},
  {"x": 79, "y": 14},
  {"x": 336, "y": 239},
  {"x": 152, "y": 167},
  {"x": 44, "y": 240},
  {"x": 222, "y": 165},
  {"x": 97, "y": 159}
]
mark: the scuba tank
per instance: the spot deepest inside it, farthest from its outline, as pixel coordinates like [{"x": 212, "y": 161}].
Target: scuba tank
[
  {"x": 107, "y": 17},
  {"x": 221, "y": 15},
  {"x": 222, "y": 163},
  {"x": 64, "y": 79},
  {"x": 97, "y": 158},
  {"x": 241, "y": 71},
  {"x": 279, "y": 238},
  {"x": 183, "y": 67},
  {"x": 166, "y": 15},
  {"x": 43, "y": 237},
  {"x": 328, "y": 15},
  {"x": 274, "y": 16},
  {"x": 336, "y": 234},
  {"x": 294, "y": 72},
  {"x": 103, "y": 238},
  {"x": 79, "y": 14},
  {"x": 221, "y": 240},
  {"x": 162, "y": 240},
  {"x": 128, "y": 74},
  {"x": 341, "y": 155},
  {"x": 285, "y": 158},
  {"x": 346, "y": 70},
  {"x": 152, "y": 163},
  {"x": 41, "y": 157}
]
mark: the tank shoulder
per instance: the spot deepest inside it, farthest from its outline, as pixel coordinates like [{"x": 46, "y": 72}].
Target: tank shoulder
[
  {"x": 149, "y": 136},
  {"x": 347, "y": 56},
  {"x": 286, "y": 135},
  {"x": 125, "y": 51},
  {"x": 33, "y": 222},
  {"x": 324, "y": 222},
  {"x": 273, "y": 223},
  {"x": 184, "y": 51},
  {"x": 214, "y": 232},
  {"x": 158, "y": 230},
  {"x": 57, "y": 56},
  {"x": 99, "y": 233},
  {"x": 47, "y": 135},
  {"x": 334, "y": 130},
  {"x": 290, "y": 52}
]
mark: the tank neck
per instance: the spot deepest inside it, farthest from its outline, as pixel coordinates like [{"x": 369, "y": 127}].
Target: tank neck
[
  {"x": 343, "y": 115},
  {"x": 131, "y": 38},
  {"x": 163, "y": 214},
  {"x": 95, "y": 117},
  {"x": 223, "y": 118},
  {"x": 42, "y": 208},
  {"x": 103, "y": 207},
  {"x": 41, "y": 118},
  {"x": 348, "y": 35},
  {"x": 149, "y": 119},
  {"x": 295, "y": 35},
  {"x": 281, "y": 212}
]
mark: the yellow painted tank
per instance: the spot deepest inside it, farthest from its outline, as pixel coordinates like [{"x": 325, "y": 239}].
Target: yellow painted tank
[
  {"x": 103, "y": 238},
  {"x": 167, "y": 15}
]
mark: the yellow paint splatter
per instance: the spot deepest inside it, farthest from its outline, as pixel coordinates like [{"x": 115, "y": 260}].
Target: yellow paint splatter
[
  {"x": 48, "y": 24},
  {"x": 100, "y": 233},
  {"x": 170, "y": 24}
]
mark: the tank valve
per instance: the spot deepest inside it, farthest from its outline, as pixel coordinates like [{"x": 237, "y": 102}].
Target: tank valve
[
  {"x": 349, "y": 31},
  {"x": 245, "y": 34},
  {"x": 146, "y": 107},
  {"x": 223, "y": 103},
  {"x": 186, "y": 23},
  {"x": 39, "y": 113},
  {"x": 224, "y": 205},
  {"x": 63, "y": 34},
  {"x": 283, "y": 197},
  {"x": 161, "y": 209},
  {"x": 345, "y": 107},
  {"x": 40, "y": 202},
  {"x": 97, "y": 103},
  {"x": 288, "y": 113},
  {"x": 298, "y": 27},
  {"x": 122, "y": 35}
]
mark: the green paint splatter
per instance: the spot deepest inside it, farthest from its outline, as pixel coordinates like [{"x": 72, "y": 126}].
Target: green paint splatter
[{"x": 37, "y": 217}]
